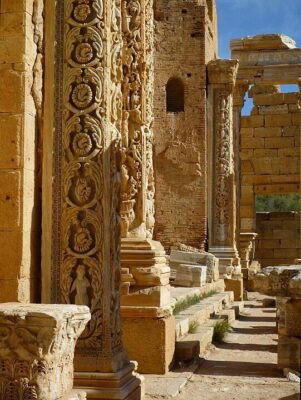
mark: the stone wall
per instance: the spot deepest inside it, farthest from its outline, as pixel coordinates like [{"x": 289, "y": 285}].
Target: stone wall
[
  {"x": 269, "y": 150},
  {"x": 21, "y": 41},
  {"x": 185, "y": 42},
  {"x": 278, "y": 240}
]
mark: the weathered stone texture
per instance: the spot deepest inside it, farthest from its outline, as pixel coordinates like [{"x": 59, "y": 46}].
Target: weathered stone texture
[
  {"x": 21, "y": 48},
  {"x": 37, "y": 349},
  {"x": 180, "y": 138},
  {"x": 278, "y": 238},
  {"x": 269, "y": 149}
]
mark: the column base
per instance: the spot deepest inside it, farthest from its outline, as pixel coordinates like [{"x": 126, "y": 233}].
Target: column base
[
  {"x": 124, "y": 384},
  {"x": 149, "y": 337}
]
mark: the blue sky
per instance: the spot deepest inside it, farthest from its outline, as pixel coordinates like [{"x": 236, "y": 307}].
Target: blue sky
[{"x": 239, "y": 18}]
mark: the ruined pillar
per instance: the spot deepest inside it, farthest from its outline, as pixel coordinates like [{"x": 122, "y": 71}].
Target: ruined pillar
[
  {"x": 37, "y": 350},
  {"x": 146, "y": 312},
  {"x": 81, "y": 199},
  {"x": 222, "y": 236}
]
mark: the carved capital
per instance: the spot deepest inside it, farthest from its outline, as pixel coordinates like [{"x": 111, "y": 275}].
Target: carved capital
[
  {"x": 222, "y": 71},
  {"x": 37, "y": 345}
]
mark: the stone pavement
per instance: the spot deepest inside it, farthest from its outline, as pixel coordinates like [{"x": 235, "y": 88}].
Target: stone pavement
[{"x": 243, "y": 368}]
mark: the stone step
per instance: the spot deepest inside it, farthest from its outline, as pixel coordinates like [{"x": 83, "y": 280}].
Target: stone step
[
  {"x": 227, "y": 315},
  {"x": 238, "y": 307},
  {"x": 201, "y": 312},
  {"x": 194, "y": 345}
]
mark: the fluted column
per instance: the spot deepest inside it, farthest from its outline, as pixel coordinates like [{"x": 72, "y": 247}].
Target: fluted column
[
  {"x": 222, "y": 236},
  {"x": 81, "y": 243}
]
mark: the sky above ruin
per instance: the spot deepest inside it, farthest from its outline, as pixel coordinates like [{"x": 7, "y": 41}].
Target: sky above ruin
[{"x": 240, "y": 18}]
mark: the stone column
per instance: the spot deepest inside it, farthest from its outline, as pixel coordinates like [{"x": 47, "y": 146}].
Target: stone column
[
  {"x": 37, "y": 349},
  {"x": 145, "y": 272},
  {"x": 299, "y": 83},
  {"x": 222, "y": 237},
  {"x": 81, "y": 202},
  {"x": 239, "y": 92}
]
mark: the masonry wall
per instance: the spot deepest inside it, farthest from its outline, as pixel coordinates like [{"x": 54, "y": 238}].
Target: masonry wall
[
  {"x": 269, "y": 151},
  {"x": 278, "y": 238},
  {"x": 20, "y": 102},
  {"x": 185, "y": 41}
]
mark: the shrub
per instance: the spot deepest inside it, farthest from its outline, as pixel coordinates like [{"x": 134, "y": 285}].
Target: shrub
[
  {"x": 220, "y": 330},
  {"x": 193, "y": 326}
]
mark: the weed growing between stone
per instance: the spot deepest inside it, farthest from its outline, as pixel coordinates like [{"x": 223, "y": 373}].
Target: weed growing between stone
[
  {"x": 191, "y": 301},
  {"x": 193, "y": 326},
  {"x": 221, "y": 328}
]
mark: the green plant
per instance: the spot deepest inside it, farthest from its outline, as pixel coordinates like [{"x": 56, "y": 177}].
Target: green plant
[
  {"x": 189, "y": 301},
  {"x": 220, "y": 330},
  {"x": 193, "y": 326}
]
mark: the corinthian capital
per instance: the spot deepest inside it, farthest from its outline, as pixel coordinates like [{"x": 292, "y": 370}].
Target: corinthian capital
[{"x": 222, "y": 71}]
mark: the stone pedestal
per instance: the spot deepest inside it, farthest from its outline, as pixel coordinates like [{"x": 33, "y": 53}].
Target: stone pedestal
[
  {"x": 285, "y": 283},
  {"x": 37, "y": 349},
  {"x": 149, "y": 337},
  {"x": 148, "y": 324}
]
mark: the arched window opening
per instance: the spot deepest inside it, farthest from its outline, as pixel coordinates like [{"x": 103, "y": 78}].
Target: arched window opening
[{"x": 174, "y": 95}]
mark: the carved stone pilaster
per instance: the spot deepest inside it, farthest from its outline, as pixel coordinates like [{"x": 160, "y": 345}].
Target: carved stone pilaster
[
  {"x": 146, "y": 273},
  {"x": 85, "y": 221},
  {"x": 37, "y": 344},
  {"x": 222, "y": 76}
]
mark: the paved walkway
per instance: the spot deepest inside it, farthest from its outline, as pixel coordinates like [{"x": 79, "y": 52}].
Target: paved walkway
[{"x": 243, "y": 368}]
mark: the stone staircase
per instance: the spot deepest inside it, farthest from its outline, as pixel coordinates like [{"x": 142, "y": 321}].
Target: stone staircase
[{"x": 195, "y": 325}]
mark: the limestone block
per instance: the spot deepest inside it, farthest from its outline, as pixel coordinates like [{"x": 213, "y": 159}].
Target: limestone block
[
  {"x": 12, "y": 24},
  {"x": 155, "y": 296},
  {"x": 178, "y": 257},
  {"x": 37, "y": 348},
  {"x": 270, "y": 110},
  {"x": 10, "y": 199},
  {"x": 254, "y": 121},
  {"x": 292, "y": 313},
  {"x": 265, "y": 153},
  {"x": 11, "y": 88},
  {"x": 289, "y": 352},
  {"x": 12, "y": 50},
  {"x": 247, "y": 132},
  {"x": 275, "y": 99},
  {"x": 267, "y": 132},
  {"x": 278, "y": 120},
  {"x": 252, "y": 143},
  {"x": 191, "y": 275},
  {"x": 12, "y": 6},
  {"x": 235, "y": 286},
  {"x": 279, "y": 142},
  {"x": 263, "y": 42},
  {"x": 10, "y": 141},
  {"x": 296, "y": 119},
  {"x": 150, "y": 341}
]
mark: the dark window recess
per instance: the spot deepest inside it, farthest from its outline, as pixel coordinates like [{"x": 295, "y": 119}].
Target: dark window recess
[{"x": 174, "y": 95}]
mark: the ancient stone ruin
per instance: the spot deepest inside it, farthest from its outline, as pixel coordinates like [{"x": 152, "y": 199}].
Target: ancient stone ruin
[{"x": 128, "y": 184}]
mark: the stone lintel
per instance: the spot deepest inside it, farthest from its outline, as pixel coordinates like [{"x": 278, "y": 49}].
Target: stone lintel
[
  {"x": 270, "y": 74},
  {"x": 267, "y": 57},
  {"x": 263, "y": 42},
  {"x": 222, "y": 71},
  {"x": 37, "y": 349}
]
